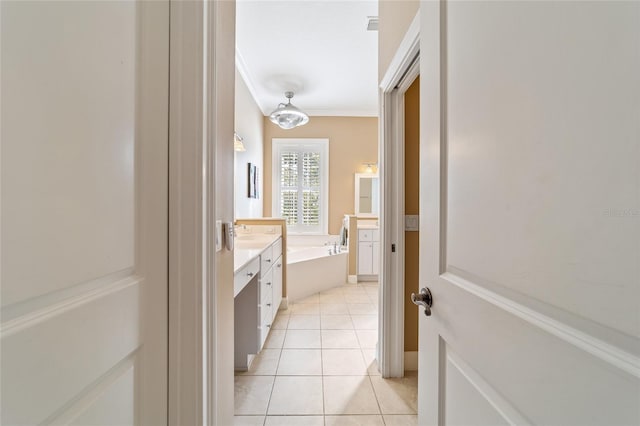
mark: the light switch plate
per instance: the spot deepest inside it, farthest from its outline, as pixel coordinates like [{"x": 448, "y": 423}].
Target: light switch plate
[
  {"x": 218, "y": 235},
  {"x": 411, "y": 222}
]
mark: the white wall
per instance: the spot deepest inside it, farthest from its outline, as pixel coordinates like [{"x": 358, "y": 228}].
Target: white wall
[{"x": 249, "y": 123}]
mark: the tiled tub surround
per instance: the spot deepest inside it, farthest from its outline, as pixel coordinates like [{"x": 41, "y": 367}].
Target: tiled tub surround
[{"x": 318, "y": 367}]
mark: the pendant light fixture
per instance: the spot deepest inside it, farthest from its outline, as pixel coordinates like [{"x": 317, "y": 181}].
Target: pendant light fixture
[{"x": 287, "y": 116}]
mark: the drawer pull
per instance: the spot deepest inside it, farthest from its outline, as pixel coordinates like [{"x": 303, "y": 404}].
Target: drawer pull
[
  {"x": 249, "y": 274},
  {"x": 268, "y": 304},
  {"x": 268, "y": 260},
  {"x": 268, "y": 283},
  {"x": 279, "y": 265},
  {"x": 268, "y": 325}
]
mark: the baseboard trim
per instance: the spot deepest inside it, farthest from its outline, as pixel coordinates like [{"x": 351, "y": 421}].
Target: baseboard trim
[
  {"x": 352, "y": 279},
  {"x": 411, "y": 361},
  {"x": 284, "y": 303}
]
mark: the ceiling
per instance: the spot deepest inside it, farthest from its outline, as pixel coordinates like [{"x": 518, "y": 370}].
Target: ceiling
[{"x": 321, "y": 50}]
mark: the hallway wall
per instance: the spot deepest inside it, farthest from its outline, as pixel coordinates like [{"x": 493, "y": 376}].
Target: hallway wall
[
  {"x": 395, "y": 17},
  {"x": 352, "y": 141},
  {"x": 411, "y": 206}
]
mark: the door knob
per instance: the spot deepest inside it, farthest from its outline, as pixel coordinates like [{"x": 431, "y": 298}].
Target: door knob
[{"x": 423, "y": 299}]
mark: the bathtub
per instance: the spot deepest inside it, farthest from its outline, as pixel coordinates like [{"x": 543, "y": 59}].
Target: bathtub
[{"x": 311, "y": 268}]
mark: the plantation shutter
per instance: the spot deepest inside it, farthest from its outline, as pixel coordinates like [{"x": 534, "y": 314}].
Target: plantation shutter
[
  {"x": 289, "y": 187},
  {"x": 310, "y": 188},
  {"x": 300, "y": 186}
]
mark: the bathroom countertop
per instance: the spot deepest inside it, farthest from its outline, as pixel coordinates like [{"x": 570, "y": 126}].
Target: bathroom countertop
[{"x": 250, "y": 246}]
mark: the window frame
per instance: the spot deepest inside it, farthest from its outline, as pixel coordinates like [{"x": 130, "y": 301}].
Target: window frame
[{"x": 278, "y": 145}]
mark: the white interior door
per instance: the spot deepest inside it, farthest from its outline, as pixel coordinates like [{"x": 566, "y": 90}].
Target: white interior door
[
  {"x": 530, "y": 184},
  {"x": 84, "y": 212}
]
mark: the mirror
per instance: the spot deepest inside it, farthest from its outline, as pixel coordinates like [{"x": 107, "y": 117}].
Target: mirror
[{"x": 367, "y": 194}]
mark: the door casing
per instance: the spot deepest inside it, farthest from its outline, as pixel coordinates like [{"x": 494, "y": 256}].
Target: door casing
[{"x": 402, "y": 71}]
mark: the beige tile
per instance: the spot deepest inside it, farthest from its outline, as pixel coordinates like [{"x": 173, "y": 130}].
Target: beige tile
[
  {"x": 264, "y": 364},
  {"x": 306, "y": 309},
  {"x": 397, "y": 396},
  {"x": 373, "y": 292},
  {"x": 339, "y": 339},
  {"x": 367, "y": 338},
  {"x": 362, "y": 309},
  {"x": 296, "y": 395},
  {"x": 365, "y": 322},
  {"x": 334, "y": 309},
  {"x": 343, "y": 362},
  {"x": 355, "y": 291},
  {"x": 361, "y": 420},
  {"x": 401, "y": 420},
  {"x": 334, "y": 290},
  {"x": 304, "y": 322},
  {"x": 371, "y": 362},
  {"x": 349, "y": 395},
  {"x": 332, "y": 298},
  {"x": 336, "y": 322},
  {"x": 300, "y": 362},
  {"x": 295, "y": 421},
  {"x": 275, "y": 339},
  {"x": 314, "y": 298},
  {"x": 302, "y": 339},
  {"x": 357, "y": 297},
  {"x": 248, "y": 420},
  {"x": 252, "y": 394},
  {"x": 281, "y": 322}
]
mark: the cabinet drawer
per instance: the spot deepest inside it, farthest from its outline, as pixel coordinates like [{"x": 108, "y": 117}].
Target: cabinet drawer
[
  {"x": 266, "y": 305},
  {"x": 266, "y": 259},
  {"x": 365, "y": 235},
  {"x": 244, "y": 275},
  {"x": 266, "y": 285},
  {"x": 375, "y": 235},
  {"x": 277, "y": 249}
]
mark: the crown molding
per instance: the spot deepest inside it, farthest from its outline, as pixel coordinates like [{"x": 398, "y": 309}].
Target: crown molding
[{"x": 244, "y": 72}]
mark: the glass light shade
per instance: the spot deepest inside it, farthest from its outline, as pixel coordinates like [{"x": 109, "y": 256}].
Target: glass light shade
[
  {"x": 287, "y": 116},
  {"x": 238, "y": 145}
]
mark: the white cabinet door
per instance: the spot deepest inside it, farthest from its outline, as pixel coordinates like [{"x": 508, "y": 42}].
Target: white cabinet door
[
  {"x": 277, "y": 286},
  {"x": 84, "y": 212},
  {"x": 530, "y": 243},
  {"x": 365, "y": 259},
  {"x": 375, "y": 258}
]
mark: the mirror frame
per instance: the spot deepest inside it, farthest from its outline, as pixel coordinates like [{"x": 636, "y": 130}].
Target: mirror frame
[{"x": 357, "y": 197}]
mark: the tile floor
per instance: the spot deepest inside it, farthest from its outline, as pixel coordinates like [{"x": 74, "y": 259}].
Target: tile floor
[{"x": 318, "y": 368}]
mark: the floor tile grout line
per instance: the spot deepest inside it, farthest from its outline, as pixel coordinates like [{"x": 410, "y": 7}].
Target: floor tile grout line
[{"x": 275, "y": 375}]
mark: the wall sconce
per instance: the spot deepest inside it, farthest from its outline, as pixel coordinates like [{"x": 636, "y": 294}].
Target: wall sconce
[
  {"x": 370, "y": 166},
  {"x": 237, "y": 142}
]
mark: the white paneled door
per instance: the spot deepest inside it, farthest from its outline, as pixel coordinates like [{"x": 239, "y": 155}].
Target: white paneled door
[
  {"x": 84, "y": 212},
  {"x": 530, "y": 148}
]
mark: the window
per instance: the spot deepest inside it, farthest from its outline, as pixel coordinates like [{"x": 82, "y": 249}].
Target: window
[{"x": 301, "y": 184}]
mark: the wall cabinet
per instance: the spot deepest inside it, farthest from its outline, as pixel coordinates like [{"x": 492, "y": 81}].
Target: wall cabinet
[{"x": 368, "y": 252}]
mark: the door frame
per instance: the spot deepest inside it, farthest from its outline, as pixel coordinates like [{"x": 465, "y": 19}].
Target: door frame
[
  {"x": 402, "y": 71},
  {"x": 202, "y": 45}
]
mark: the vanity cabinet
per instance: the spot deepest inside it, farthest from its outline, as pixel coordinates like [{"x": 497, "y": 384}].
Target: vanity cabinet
[
  {"x": 368, "y": 251},
  {"x": 270, "y": 287},
  {"x": 258, "y": 294}
]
